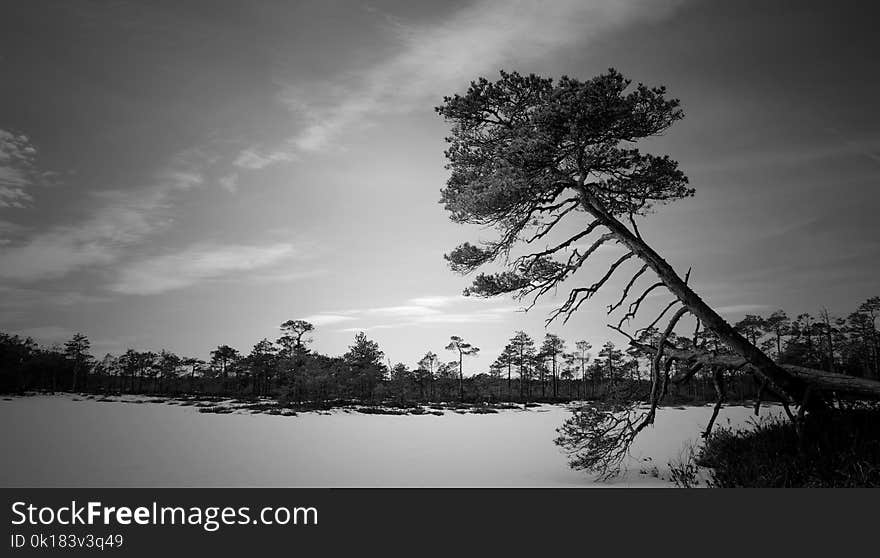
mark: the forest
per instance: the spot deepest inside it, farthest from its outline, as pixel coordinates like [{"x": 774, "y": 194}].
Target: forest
[{"x": 529, "y": 369}]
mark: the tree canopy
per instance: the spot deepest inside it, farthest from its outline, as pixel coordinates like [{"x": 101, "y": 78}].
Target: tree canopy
[
  {"x": 527, "y": 152},
  {"x": 534, "y": 159}
]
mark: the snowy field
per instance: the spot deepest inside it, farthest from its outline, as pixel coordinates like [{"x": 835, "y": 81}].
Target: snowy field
[{"x": 63, "y": 441}]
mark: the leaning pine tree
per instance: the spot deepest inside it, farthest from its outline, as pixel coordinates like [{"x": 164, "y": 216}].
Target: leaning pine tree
[{"x": 530, "y": 156}]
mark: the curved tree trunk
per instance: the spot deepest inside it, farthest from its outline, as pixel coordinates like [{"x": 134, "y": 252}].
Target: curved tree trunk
[
  {"x": 785, "y": 380},
  {"x": 792, "y": 381}
]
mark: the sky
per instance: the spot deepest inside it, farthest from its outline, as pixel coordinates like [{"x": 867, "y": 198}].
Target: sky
[{"x": 182, "y": 175}]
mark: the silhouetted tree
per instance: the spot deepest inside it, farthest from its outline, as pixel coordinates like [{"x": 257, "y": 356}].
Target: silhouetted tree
[
  {"x": 193, "y": 364},
  {"x": 523, "y": 354},
  {"x": 294, "y": 347},
  {"x": 223, "y": 357},
  {"x": 583, "y": 357},
  {"x": 77, "y": 350},
  {"x": 425, "y": 373},
  {"x": 167, "y": 365},
  {"x": 262, "y": 361},
  {"x": 752, "y": 327},
  {"x": 365, "y": 359},
  {"x": 778, "y": 325},
  {"x": 401, "y": 377},
  {"x": 568, "y": 370},
  {"x": 552, "y": 347},
  {"x": 463, "y": 348},
  {"x": 447, "y": 378}
]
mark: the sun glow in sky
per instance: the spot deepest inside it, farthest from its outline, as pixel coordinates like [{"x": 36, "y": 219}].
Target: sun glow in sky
[{"x": 187, "y": 174}]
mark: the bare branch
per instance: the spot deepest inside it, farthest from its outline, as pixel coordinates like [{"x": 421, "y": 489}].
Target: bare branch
[
  {"x": 634, "y": 306},
  {"x": 656, "y": 391},
  {"x": 577, "y": 296},
  {"x": 528, "y": 261},
  {"x": 626, "y": 289},
  {"x": 547, "y": 227},
  {"x": 625, "y": 334},
  {"x": 632, "y": 220},
  {"x": 658, "y": 318},
  {"x": 718, "y": 383}
]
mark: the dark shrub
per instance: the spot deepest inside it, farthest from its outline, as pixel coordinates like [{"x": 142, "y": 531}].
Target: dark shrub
[
  {"x": 220, "y": 410},
  {"x": 839, "y": 449}
]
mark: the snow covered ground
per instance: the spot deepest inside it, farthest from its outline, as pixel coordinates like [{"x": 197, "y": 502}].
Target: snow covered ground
[{"x": 65, "y": 441}]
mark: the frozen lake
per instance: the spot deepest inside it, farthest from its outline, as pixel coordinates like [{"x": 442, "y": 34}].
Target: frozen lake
[{"x": 59, "y": 441}]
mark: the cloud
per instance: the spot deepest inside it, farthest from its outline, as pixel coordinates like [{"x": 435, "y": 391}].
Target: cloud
[
  {"x": 253, "y": 159},
  {"x": 427, "y": 310},
  {"x": 229, "y": 182},
  {"x": 403, "y": 311},
  {"x": 124, "y": 219},
  {"x": 435, "y": 59},
  {"x": 327, "y": 319},
  {"x": 437, "y": 318},
  {"x": 437, "y": 301},
  {"x": 121, "y": 218},
  {"x": 284, "y": 276},
  {"x": 17, "y": 172},
  {"x": 462, "y": 318},
  {"x": 18, "y": 297},
  {"x": 370, "y": 328},
  {"x": 196, "y": 264}
]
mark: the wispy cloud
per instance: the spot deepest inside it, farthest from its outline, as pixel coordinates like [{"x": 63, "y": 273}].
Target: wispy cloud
[
  {"x": 254, "y": 158},
  {"x": 229, "y": 182},
  {"x": 121, "y": 218},
  {"x": 435, "y": 319},
  {"x": 420, "y": 311},
  {"x": 434, "y": 59},
  {"x": 403, "y": 311},
  {"x": 17, "y": 171},
  {"x": 369, "y": 328},
  {"x": 196, "y": 264},
  {"x": 28, "y": 298},
  {"x": 438, "y": 301},
  {"x": 327, "y": 319},
  {"x": 286, "y": 276}
]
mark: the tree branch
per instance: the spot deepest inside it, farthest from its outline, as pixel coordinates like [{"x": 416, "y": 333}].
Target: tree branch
[
  {"x": 634, "y": 306},
  {"x": 573, "y": 303},
  {"x": 658, "y": 318},
  {"x": 626, "y": 289}
]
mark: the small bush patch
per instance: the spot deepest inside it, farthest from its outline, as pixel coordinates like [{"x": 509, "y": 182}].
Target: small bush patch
[{"x": 839, "y": 449}]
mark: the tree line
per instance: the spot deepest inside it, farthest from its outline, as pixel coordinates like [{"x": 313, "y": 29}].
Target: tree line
[{"x": 527, "y": 369}]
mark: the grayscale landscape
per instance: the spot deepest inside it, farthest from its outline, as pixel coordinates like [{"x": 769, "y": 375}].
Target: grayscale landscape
[{"x": 580, "y": 243}]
